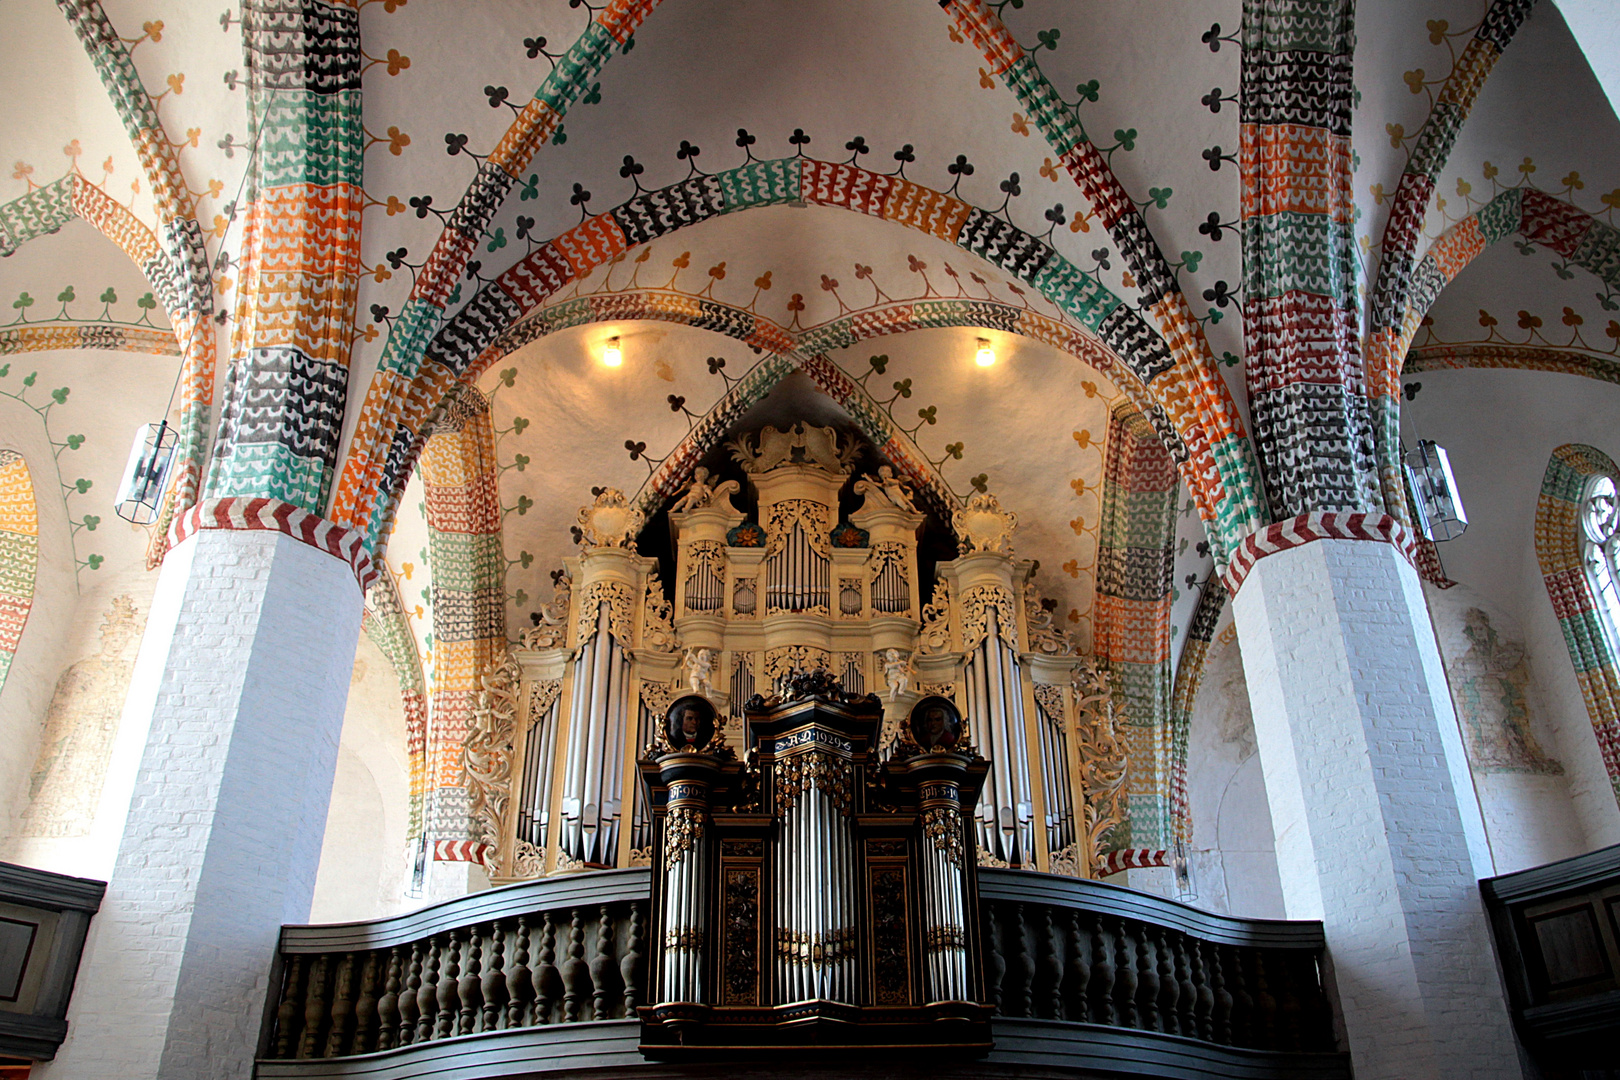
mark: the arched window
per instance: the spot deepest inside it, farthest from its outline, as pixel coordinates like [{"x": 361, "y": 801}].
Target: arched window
[
  {"x": 1600, "y": 539},
  {"x": 1577, "y": 517}
]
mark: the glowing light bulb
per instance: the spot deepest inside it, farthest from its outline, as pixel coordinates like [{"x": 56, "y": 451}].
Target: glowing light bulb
[
  {"x": 986, "y": 356},
  {"x": 612, "y": 355}
]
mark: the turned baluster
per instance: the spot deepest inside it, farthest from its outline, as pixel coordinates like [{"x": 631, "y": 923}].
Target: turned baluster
[
  {"x": 365, "y": 1006},
  {"x": 1073, "y": 989},
  {"x": 604, "y": 965},
  {"x": 1169, "y": 987},
  {"x": 427, "y": 997},
  {"x": 1203, "y": 994},
  {"x": 495, "y": 978},
  {"x": 342, "y": 1007},
  {"x": 1024, "y": 984},
  {"x": 1318, "y": 1016},
  {"x": 1234, "y": 964},
  {"x": 469, "y": 989},
  {"x": 995, "y": 973},
  {"x": 315, "y": 1009},
  {"x": 1147, "y": 979},
  {"x": 519, "y": 983},
  {"x": 409, "y": 1010},
  {"x": 388, "y": 1004},
  {"x": 1049, "y": 957},
  {"x": 1102, "y": 974},
  {"x": 630, "y": 967},
  {"x": 548, "y": 980},
  {"x": 448, "y": 1006},
  {"x": 1265, "y": 1005},
  {"x": 1220, "y": 1014},
  {"x": 1125, "y": 976},
  {"x": 290, "y": 1008},
  {"x": 1290, "y": 1016},
  {"x": 575, "y": 973}
]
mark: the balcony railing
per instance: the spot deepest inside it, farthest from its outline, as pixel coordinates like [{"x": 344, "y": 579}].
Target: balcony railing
[{"x": 547, "y": 976}]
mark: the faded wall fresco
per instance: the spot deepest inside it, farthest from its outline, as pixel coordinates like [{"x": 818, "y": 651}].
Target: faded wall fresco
[
  {"x": 64, "y": 788},
  {"x": 1490, "y": 685}
]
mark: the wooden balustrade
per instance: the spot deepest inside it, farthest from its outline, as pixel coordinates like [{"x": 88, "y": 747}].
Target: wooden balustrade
[
  {"x": 555, "y": 952},
  {"x": 1065, "y": 950}
]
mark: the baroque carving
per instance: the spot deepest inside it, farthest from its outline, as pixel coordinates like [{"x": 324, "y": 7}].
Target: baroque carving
[
  {"x": 741, "y": 961},
  {"x": 611, "y": 521},
  {"x": 658, "y": 619},
  {"x": 943, "y": 826},
  {"x": 786, "y": 660},
  {"x": 487, "y": 750},
  {"x": 976, "y": 605},
  {"x": 682, "y": 827},
  {"x": 700, "y": 493},
  {"x": 621, "y": 605},
  {"x": 982, "y": 525},
  {"x": 1103, "y": 761},
  {"x": 1050, "y": 699},
  {"x": 550, "y": 631},
  {"x": 1045, "y": 635},
  {"x": 888, "y": 489},
  {"x": 937, "y": 689},
  {"x": 802, "y": 442},
  {"x": 830, "y": 774},
  {"x": 810, "y": 515},
  {"x": 935, "y": 636}
]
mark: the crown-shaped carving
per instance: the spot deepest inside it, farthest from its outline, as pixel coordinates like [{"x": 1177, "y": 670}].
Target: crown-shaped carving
[
  {"x": 610, "y": 521},
  {"x": 982, "y": 525},
  {"x": 801, "y": 444}
]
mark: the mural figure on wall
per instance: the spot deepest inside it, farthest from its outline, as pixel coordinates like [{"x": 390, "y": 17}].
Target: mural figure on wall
[
  {"x": 64, "y": 788},
  {"x": 1489, "y": 684}
]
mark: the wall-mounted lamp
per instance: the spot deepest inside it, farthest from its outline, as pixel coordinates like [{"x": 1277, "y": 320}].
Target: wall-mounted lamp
[
  {"x": 986, "y": 356},
  {"x": 149, "y": 461},
  {"x": 612, "y": 355},
  {"x": 1437, "y": 510}
]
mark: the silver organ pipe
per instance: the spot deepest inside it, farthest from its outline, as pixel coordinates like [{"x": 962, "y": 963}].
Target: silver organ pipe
[
  {"x": 534, "y": 815},
  {"x": 1055, "y": 770},
  {"x": 593, "y": 784},
  {"x": 891, "y": 592},
  {"x": 996, "y": 703},
  {"x": 797, "y": 576},
  {"x": 705, "y": 588}
]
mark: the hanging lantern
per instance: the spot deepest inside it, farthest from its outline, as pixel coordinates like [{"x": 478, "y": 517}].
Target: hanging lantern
[
  {"x": 1435, "y": 506},
  {"x": 149, "y": 460}
]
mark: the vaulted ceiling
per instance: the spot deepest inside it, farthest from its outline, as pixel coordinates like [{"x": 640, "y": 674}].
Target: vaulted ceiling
[{"x": 707, "y": 85}]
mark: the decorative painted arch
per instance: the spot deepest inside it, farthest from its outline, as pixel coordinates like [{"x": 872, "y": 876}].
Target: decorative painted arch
[
  {"x": 1131, "y": 635},
  {"x": 392, "y": 393},
  {"x": 1235, "y": 504},
  {"x": 19, "y": 553},
  {"x": 383, "y": 454},
  {"x": 1515, "y": 357},
  {"x": 468, "y": 566},
  {"x": 111, "y": 337},
  {"x": 181, "y": 277},
  {"x": 385, "y": 622},
  {"x": 1558, "y": 550},
  {"x": 1189, "y": 680}
]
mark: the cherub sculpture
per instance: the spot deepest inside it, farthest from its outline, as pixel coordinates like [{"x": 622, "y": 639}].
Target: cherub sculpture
[
  {"x": 700, "y": 493},
  {"x": 888, "y": 487},
  {"x": 699, "y": 666},
  {"x": 896, "y": 672}
]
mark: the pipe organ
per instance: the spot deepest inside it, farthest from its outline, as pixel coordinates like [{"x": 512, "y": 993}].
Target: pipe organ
[{"x": 771, "y": 582}]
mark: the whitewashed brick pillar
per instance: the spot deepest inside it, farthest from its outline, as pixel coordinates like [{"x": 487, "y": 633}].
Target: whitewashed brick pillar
[
  {"x": 223, "y": 773},
  {"x": 1379, "y": 833}
]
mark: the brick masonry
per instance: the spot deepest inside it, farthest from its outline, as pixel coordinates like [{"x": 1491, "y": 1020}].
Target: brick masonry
[
  {"x": 239, "y": 689},
  {"x": 1378, "y": 830}
]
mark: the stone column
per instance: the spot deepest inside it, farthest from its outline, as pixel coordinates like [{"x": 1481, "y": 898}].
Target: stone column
[
  {"x": 1379, "y": 833},
  {"x": 223, "y": 769}
]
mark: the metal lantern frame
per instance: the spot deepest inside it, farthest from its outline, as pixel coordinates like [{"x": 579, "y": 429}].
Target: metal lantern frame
[
  {"x": 1436, "y": 508},
  {"x": 140, "y": 493}
]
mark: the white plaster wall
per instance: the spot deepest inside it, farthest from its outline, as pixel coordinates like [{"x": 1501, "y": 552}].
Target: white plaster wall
[
  {"x": 1234, "y": 854},
  {"x": 363, "y": 872},
  {"x": 1522, "y": 785},
  {"x": 1500, "y": 427}
]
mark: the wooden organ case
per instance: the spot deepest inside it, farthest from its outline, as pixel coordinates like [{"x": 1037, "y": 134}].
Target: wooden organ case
[
  {"x": 788, "y": 585},
  {"x": 813, "y": 896}
]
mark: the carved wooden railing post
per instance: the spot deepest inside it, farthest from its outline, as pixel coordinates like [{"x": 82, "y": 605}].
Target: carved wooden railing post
[
  {"x": 427, "y": 997},
  {"x": 447, "y": 1007},
  {"x": 1220, "y": 1015},
  {"x": 365, "y": 1006},
  {"x": 547, "y": 980},
  {"x": 1076, "y": 985},
  {"x": 995, "y": 957},
  {"x": 314, "y": 1009},
  {"x": 287, "y": 1012},
  {"x": 409, "y": 1008},
  {"x": 342, "y": 1013},
  {"x": 469, "y": 988},
  {"x": 1102, "y": 974},
  {"x": 494, "y": 989},
  {"x": 388, "y": 1004},
  {"x": 574, "y": 973},
  {"x": 1169, "y": 988},
  {"x": 630, "y": 965},
  {"x": 1124, "y": 975},
  {"x": 1147, "y": 979},
  {"x": 603, "y": 965},
  {"x": 519, "y": 981}
]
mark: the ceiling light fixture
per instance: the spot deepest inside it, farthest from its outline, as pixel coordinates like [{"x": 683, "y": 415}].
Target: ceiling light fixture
[
  {"x": 986, "y": 356},
  {"x": 612, "y": 355}
]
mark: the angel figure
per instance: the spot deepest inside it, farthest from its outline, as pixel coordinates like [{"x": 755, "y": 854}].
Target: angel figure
[
  {"x": 896, "y": 673},
  {"x": 888, "y": 487},
  {"x": 699, "y": 666},
  {"x": 700, "y": 493}
]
